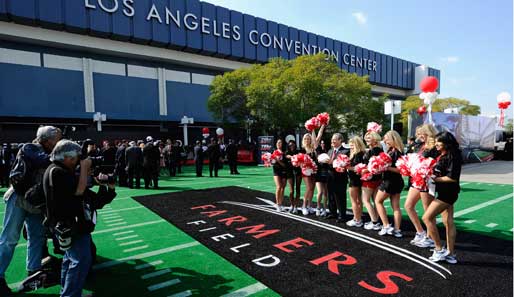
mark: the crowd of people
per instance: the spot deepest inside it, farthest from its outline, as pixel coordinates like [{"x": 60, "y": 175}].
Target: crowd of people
[{"x": 438, "y": 193}]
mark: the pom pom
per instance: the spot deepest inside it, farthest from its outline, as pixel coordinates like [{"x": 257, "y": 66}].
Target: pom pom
[
  {"x": 297, "y": 160},
  {"x": 312, "y": 124},
  {"x": 276, "y": 156},
  {"x": 266, "y": 158},
  {"x": 323, "y": 158},
  {"x": 306, "y": 163},
  {"x": 359, "y": 168},
  {"x": 323, "y": 118},
  {"x": 374, "y": 127},
  {"x": 341, "y": 163}
]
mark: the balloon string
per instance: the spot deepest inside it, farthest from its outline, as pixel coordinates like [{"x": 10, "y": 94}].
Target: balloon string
[
  {"x": 502, "y": 116},
  {"x": 430, "y": 113}
]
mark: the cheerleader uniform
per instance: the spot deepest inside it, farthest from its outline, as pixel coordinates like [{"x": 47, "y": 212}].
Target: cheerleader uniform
[
  {"x": 392, "y": 182},
  {"x": 354, "y": 178},
  {"x": 375, "y": 181},
  {"x": 314, "y": 157},
  {"x": 280, "y": 170},
  {"x": 322, "y": 174},
  {"x": 292, "y": 171},
  {"x": 449, "y": 165}
]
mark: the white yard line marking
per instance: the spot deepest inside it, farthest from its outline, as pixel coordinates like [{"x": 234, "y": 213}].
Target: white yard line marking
[
  {"x": 114, "y": 221},
  {"x": 164, "y": 284},
  {"x": 122, "y": 209},
  {"x": 155, "y": 273},
  {"x": 478, "y": 206},
  {"x": 491, "y": 225},
  {"x": 116, "y": 224},
  {"x": 124, "y": 232},
  {"x": 130, "y": 242},
  {"x": 512, "y": 230},
  {"x": 469, "y": 221},
  {"x": 129, "y": 226},
  {"x": 136, "y": 248},
  {"x": 247, "y": 291},
  {"x": 146, "y": 265},
  {"x": 145, "y": 255},
  {"x": 127, "y": 237},
  {"x": 110, "y": 216},
  {"x": 462, "y": 184},
  {"x": 182, "y": 294}
]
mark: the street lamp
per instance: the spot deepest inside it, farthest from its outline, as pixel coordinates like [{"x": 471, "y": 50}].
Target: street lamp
[
  {"x": 184, "y": 121},
  {"x": 249, "y": 123}
]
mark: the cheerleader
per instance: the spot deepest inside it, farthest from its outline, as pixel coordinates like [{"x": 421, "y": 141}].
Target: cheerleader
[
  {"x": 309, "y": 145},
  {"x": 294, "y": 177},
  {"x": 369, "y": 187},
  {"x": 425, "y": 136},
  {"x": 391, "y": 187},
  {"x": 279, "y": 176},
  {"x": 357, "y": 150},
  {"x": 446, "y": 177}
]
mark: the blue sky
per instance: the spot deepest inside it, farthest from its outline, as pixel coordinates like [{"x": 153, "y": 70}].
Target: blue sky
[{"x": 469, "y": 41}]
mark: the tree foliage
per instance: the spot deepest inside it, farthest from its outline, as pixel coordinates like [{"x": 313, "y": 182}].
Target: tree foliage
[{"x": 281, "y": 95}]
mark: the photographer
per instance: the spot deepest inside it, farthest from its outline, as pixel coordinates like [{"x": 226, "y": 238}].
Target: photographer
[
  {"x": 71, "y": 212},
  {"x": 26, "y": 173}
]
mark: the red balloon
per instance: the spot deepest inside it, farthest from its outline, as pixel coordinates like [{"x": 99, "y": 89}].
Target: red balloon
[
  {"x": 429, "y": 84},
  {"x": 422, "y": 110},
  {"x": 205, "y": 130},
  {"x": 503, "y": 105}
]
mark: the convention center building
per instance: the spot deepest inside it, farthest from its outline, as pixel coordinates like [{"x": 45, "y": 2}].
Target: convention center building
[{"x": 143, "y": 65}]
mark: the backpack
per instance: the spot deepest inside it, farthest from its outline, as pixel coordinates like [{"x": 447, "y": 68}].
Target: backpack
[{"x": 30, "y": 191}]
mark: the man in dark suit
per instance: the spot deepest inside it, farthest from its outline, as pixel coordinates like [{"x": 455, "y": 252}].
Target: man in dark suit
[
  {"x": 214, "y": 153},
  {"x": 198, "y": 156},
  {"x": 134, "y": 159},
  {"x": 232, "y": 157},
  {"x": 337, "y": 182},
  {"x": 121, "y": 164},
  {"x": 151, "y": 166}
]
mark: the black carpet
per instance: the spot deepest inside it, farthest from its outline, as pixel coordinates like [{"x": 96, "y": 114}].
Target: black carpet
[{"x": 323, "y": 258}]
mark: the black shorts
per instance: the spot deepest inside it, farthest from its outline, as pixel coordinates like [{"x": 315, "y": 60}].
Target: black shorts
[
  {"x": 279, "y": 172},
  {"x": 321, "y": 178},
  {"x": 447, "y": 195},
  {"x": 355, "y": 182},
  {"x": 392, "y": 186}
]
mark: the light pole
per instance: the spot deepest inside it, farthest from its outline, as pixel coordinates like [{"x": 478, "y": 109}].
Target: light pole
[
  {"x": 249, "y": 123},
  {"x": 184, "y": 121}
]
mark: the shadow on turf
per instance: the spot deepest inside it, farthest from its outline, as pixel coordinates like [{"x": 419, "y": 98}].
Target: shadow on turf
[{"x": 106, "y": 282}]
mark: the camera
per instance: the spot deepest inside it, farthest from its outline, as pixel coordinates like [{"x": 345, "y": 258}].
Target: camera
[{"x": 64, "y": 234}]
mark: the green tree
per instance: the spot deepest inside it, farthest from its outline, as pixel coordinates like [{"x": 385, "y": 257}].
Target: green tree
[{"x": 281, "y": 95}]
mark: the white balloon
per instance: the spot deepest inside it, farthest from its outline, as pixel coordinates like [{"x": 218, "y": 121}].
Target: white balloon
[
  {"x": 503, "y": 97},
  {"x": 219, "y": 131},
  {"x": 422, "y": 95},
  {"x": 289, "y": 138}
]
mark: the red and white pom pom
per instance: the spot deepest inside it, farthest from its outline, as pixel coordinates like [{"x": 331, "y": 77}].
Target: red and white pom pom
[
  {"x": 309, "y": 167},
  {"x": 323, "y": 158},
  {"x": 374, "y": 127},
  {"x": 341, "y": 163},
  {"x": 276, "y": 156},
  {"x": 323, "y": 118},
  {"x": 266, "y": 158},
  {"x": 379, "y": 164},
  {"x": 421, "y": 171},
  {"x": 403, "y": 165},
  {"x": 297, "y": 160},
  {"x": 359, "y": 168},
  {"x": 312, "y": 124}
]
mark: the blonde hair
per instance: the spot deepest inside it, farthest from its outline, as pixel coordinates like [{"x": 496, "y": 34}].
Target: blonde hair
[
  {"x": 374, "y": 135},
  {"x": 309, "y": 148},
  {"x": 430, "y": 132},
  {"x": 358, "y": 145},
  {"x": 396, "y": 138}
]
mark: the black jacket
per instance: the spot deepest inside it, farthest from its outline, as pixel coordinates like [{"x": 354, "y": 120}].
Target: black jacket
[
  {"x": 64, "y": 206},
  {"x": 134, "y": 157}
]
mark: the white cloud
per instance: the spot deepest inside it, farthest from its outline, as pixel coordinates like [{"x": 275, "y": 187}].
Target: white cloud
[
  {"x": 450, "y": 59},
  {"x": 360, "y": 18}
]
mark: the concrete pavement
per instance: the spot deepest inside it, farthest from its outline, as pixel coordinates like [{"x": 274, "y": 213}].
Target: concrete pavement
[{"x": 497, "y": 172}]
